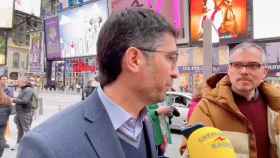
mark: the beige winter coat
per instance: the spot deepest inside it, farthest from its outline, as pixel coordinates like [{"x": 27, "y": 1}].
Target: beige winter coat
[{"x": 214, "y": 108}]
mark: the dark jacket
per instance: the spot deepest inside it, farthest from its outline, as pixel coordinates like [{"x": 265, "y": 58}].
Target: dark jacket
[
  {"x": 81, "y": 131},
  {"x": 24, "y": 99}
]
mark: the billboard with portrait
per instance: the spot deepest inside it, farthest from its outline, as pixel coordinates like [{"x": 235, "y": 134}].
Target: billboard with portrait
[
  {"x": 79, "y": 29},
  {"x": 52, "y": 38},
  {"x": 35, "y": 52},
  {"x": 6, "y": 12},
  {"x": 265, "y": 21},
  {"x": 3, "y": 47},
  {"x": 32, "y": 7},
  {"x": 229, "y": 18}
]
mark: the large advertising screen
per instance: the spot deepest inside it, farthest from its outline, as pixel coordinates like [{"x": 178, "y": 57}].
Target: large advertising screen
[
  {"x": 173, "y": 10},
  {"x": 266, "y": 23},
  {"x": 32, "y": 7},
  {"x": 229, "y": 18},
  {"x": 79, "y": 29},
  {"x": 6, "y": 12},
  {"x": 64, "y": 4}
]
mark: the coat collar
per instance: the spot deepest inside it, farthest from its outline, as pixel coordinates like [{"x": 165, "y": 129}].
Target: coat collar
[
  {"x": 100, "y": 131},
  {"x": 222, "y": 94}
]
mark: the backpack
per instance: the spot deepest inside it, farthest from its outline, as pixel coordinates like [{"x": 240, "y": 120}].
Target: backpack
[{"x": 35, "y": 102}]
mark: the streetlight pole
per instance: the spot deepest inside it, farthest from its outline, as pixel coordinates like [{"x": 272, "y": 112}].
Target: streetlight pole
[{"x": 207, "y": 48}]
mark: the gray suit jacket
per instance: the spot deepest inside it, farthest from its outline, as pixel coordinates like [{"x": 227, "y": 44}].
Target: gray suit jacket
[{"x": 82, "y": 131}]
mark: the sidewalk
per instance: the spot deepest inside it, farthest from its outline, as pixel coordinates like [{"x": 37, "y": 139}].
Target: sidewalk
[
  {"x": 53, "y": 103},
  {"x": 10, "y": 153}
]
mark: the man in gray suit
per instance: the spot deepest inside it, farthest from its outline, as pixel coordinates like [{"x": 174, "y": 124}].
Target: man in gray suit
[{"x": 136, "y": 56}]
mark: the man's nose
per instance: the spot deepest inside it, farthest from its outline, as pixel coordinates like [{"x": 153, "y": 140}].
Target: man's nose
[
  {"x": 175, "y": 73},
  {"x": 244, "y": 69}
]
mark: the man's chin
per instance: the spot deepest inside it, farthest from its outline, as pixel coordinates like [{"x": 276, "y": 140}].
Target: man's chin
[{"x": 245, "y": 89}]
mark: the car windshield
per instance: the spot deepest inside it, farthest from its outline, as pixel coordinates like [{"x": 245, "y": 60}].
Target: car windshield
[{"x": 177, "y": 100}]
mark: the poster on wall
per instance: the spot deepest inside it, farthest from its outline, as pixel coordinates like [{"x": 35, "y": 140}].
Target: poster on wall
[
  {"x": 32, "y": 7},
  {"x": 229, "y": 18},
  {"x": 173, "y": 11},
  {"x": 3, "y": 47},
  {"x": 6, "y": 12},
  {"x": 52, "y": 38},
  {"x": 79, "y": 29},
  {"x": 35, "y": 52}
]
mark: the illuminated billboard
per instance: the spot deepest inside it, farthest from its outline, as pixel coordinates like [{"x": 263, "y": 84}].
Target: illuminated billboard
[
  {"x": 265, "y": 20},
  {"x": 229, "y": 18},
  {"x": 52, "y": 38},
  {"x": 79, "y": 29},
  {"x": 32, "y": 7},
  {"x": 6, "y": 12},
  {"x": 172, "y": 10}
]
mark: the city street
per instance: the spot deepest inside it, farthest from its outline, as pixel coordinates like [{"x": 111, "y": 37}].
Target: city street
[{"x": 54, "y": 102}]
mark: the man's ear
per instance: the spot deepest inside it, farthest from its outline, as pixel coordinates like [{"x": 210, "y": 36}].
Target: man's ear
[
  {"x": 266, "y": 70},
  {"x": 132, "y": 59}
]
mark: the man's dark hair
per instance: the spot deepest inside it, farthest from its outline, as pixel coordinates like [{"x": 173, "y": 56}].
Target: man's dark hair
[
  {"x": 3, "y": 76},
  {"x": 134, "y": 27}
]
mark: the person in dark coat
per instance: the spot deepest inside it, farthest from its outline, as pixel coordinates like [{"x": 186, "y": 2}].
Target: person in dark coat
[
  {"x": 91, "y": 85},
  {"x": 24, "y": 113},
  {"x": 137, "y": 56}
]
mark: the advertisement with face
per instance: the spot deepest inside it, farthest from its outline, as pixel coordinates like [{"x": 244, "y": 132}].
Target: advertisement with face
[
  {"x": 3, "y": 47},
  {"x": 52, "y": 38},
  {"x": 32, "y": 7},
  {"x": 79, "y": 29},
  {"x": 6, "y": 12},
  {"x": 229, "y": 18},
  {"x": 35, "y": 52}
]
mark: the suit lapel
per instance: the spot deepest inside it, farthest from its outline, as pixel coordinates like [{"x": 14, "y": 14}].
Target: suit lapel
[
  {"x": 99, "y": 129},
  {"x": 150, "y": 143}
]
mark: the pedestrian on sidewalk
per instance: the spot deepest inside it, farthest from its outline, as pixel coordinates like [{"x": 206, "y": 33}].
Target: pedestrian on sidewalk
[
  {"x": 24, "y": 111},
  {"x": 136, "y": 56},
  {"x": 9, "y": 91},
  {"x": 5, "y": 111},
  {"x": 91, "y": 86},
  {"x": 159, "y": 115}
]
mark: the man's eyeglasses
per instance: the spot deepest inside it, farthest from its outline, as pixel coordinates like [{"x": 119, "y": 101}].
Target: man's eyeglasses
[
  {"x": 249, "y": 66},
  {"x": 172, "y": 56}
]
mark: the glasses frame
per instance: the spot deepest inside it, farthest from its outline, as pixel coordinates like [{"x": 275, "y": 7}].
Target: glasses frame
[
  {"x": 247, "y": 65},
  {"x": 173, "y": 61}
]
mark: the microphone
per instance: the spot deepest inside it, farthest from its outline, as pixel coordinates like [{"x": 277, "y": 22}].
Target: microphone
[{"x": 207, "y": 142}]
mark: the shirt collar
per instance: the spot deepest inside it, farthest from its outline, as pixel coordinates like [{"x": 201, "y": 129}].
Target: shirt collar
[
  {"x": 116, "y": 113},
  {"x": 239, "y": 98}
]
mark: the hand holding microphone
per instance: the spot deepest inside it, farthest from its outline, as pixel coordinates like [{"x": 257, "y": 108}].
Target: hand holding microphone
[{"x": 165, "y": 110}]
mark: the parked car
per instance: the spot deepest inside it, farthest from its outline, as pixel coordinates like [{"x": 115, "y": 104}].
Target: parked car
[{"x": 180, "y": 101}]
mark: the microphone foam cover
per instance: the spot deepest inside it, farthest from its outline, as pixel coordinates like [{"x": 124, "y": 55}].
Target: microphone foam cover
[{"x": 209, "y": 142}]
